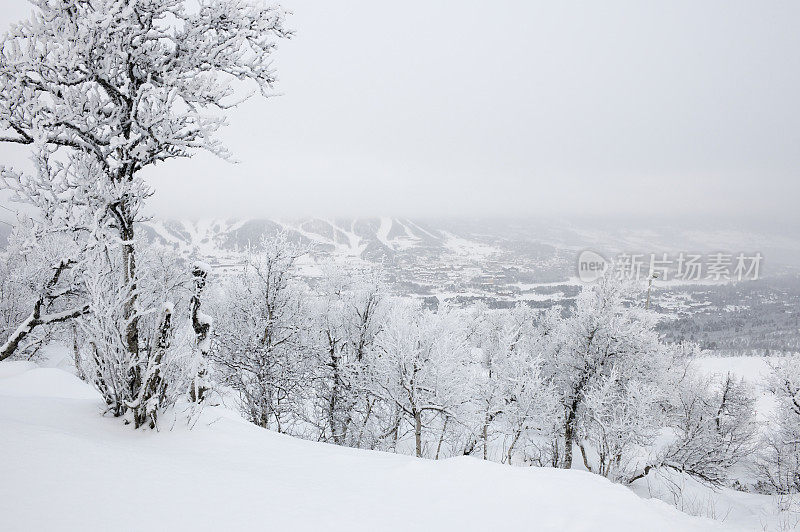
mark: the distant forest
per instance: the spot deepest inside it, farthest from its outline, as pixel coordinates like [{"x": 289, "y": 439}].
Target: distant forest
[{"x": 749, "y": 318}]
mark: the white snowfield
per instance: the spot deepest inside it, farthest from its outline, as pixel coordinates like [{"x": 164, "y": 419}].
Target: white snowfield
[{"x": 64, "y": 467}]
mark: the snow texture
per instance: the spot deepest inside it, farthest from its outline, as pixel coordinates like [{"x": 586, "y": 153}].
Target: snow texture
[{"x": 63, "y": 466}]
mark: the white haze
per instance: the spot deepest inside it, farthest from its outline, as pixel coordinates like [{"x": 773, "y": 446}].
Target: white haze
[{"x": 429, "y": 108}]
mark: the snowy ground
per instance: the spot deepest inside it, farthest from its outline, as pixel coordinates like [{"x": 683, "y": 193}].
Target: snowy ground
[{"x": 64, "y": 467}]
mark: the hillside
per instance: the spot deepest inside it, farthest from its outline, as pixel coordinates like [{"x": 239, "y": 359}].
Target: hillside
[
  {"x": 535, "y": 240},
  {"x": 65, "y": 467}
]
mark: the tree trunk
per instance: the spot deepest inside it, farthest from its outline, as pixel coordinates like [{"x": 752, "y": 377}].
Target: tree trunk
[
  {"x": 337, "y": 432},
  {"x": 441, "y": 438},
  {"x": 567, "y": 462},
  {"x": 201, "y": 325},
  {"x": 364, "y": 424},
  {"x": 76, "y": 353},
  {"x": 510, "y": 452},
  {"x": 485, "y": 436},
  {"x": 418, "y": 432},
  {"x": 586, "y": 459},
  {"x": 129, "y": 314},
  {"x": 129, "y": 284},
  {"x": 153, "y": 390},
  {"x": 26, "y": 328},
  {"x": 569, "y": 436},
  {"x": 396, "y": 430}
]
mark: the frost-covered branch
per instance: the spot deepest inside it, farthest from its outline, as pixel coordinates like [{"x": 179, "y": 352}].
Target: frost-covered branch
[{"x": 37, "y": 318}]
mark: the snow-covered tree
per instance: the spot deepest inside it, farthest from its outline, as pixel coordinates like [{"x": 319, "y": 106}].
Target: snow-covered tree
[
  {"x": 527, "y": 415},
  {"x": 348, "y": 317},
  {"x": 605, "y": 335},
  {"x": 101, "y": 90},
  {"x": 492, "y": 340},
  {"x": 510, "y": 403},
  {"x": 46, "y": 252},
  {"x": 134, "y": 387},
  {"x": 622, "y": 419},
  {"x": 713, "y": 426},
  {"x": 259, "y": 342},
  {"x": 418, "y": 370},
  {"x": 778, "y": 459}
]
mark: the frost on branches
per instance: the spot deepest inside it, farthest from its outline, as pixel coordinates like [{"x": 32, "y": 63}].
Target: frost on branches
[
  {"x": 416, "y": 371},
  {"x": 606, "y": 347},
  {"x": 100, "y": 90},
  {"x": 38, "y": 291},
  {"x": 347, "y": 317},
  {"x": 339, "y": 359},
  {"x": 259, "y": 343},
  {"x": 778, "y": 461}
]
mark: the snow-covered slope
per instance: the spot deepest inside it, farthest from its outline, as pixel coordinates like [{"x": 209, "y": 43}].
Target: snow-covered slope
[
  {"x": 378, "y": 239},
  {"x": 368, "y": 238},
  {"x": 64, "y": 467}
]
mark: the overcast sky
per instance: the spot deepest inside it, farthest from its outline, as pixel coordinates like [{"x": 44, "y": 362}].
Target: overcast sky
[{"x": 515, "y": 108}]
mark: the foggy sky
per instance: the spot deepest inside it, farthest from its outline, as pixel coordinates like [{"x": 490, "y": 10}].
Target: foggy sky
[{"x": 427, "y": 108}]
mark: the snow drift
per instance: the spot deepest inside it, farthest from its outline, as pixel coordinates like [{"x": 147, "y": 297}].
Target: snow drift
[{"x": 65, "y": 467}]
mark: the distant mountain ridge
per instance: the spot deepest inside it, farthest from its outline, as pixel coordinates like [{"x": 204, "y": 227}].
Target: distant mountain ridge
[
  {"x": 462, "y": 257},
  {"x": 369, "y": 238},
  {"x": 382, "y": 239}
]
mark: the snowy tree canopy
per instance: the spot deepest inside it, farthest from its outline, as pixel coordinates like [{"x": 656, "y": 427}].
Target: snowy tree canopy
[{"x": 102, "y": 89}]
